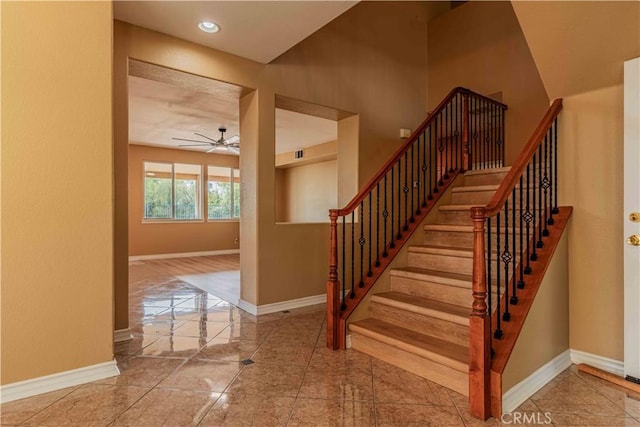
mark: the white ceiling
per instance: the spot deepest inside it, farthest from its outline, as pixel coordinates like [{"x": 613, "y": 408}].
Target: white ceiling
[
  {"x": 160, "y": 111},
  {"x": 257, "y": 30}
]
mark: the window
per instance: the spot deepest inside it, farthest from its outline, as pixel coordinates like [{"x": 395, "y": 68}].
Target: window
[
  {"x": 172, "y": 191},
  {"x": 223, "y": 191}
]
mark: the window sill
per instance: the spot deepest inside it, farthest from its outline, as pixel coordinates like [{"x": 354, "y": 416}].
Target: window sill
[{"x": 172, "y": 221}]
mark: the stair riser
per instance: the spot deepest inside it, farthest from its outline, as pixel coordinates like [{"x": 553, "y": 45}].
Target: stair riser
[
  {"x": 484, "y": 197},
  {"x": 427, "y": 325},
  {"x": 436, "y": 291},
  {"x": 425, "y": 368},
  {"x": 444, "y": 263},
  {"x": 460, "y": 239},
  {"x": 464, "y": 217},
  {"x": 485, "y": 179}
]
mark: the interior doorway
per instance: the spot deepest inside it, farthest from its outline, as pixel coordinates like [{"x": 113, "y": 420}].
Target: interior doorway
[{"x": 184, "y": 178}]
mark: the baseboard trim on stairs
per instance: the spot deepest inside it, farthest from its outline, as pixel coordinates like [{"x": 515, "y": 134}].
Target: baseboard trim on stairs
[
  {"x": 282, "y": 305},
  {"x": 120, "y": 335},
  {"x": 183, "y": 255},
  {"x": 520, "y": 392},
  {"x": 60, "y": 380},
  {"x": 610, "y": 365}
]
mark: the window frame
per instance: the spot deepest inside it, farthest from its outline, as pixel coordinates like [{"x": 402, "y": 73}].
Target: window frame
[
  {"x": 232, "y": 171},
  {"x": 172, "y": 219}
]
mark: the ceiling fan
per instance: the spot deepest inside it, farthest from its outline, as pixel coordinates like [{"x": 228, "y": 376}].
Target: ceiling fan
[{"x": 231, "y": 144}]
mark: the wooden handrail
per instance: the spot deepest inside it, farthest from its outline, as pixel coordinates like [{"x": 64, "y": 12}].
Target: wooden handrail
[
  {"x": 513, "y": 176},
  {"x": 364, "y": 192}
]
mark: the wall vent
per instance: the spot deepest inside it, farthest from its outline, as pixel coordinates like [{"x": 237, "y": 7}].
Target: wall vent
[{"x": 299, "y": 154}]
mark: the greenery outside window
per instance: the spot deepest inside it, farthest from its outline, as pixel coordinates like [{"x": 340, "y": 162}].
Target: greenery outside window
[
  {"x": 223, "y": 191},
  {"x": 172, "y": 191}
]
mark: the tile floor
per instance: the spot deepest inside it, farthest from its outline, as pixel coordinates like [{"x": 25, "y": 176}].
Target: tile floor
[{"x": 198, "y": 360}]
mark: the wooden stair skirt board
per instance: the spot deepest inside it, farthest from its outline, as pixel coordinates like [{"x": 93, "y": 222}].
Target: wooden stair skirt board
[{"x": 422, "y": 323}]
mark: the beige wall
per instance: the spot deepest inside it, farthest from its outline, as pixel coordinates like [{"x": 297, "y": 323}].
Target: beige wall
[
  {"x": 57, "y": 219},
  {"x": 480, "y": 45},
  {"x": 308, "y": 192},
  {"x": 593, "y": 40},
  {"x": 161, "y": 238},
  {"x": 591, "y": 137},
  {"x": 545, "y": 334}
]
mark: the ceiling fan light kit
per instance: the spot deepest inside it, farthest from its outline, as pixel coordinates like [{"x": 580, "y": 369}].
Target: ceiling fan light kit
[{"x": 231, "y": 144}]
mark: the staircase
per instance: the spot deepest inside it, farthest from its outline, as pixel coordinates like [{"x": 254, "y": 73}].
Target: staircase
[{"x": 422, "y": 324}]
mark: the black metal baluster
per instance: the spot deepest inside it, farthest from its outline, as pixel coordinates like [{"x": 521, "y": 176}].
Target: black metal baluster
[
  {"x": 450, "y": 139},
  {"x": 514, "y": 295},
  {"x": 552, "y": 177},
  {"x": 502, "y": 136},
  {"x": 439, "y": 137},
  {"x": 522, "y": 255},
  {"x": 474, "y": 120},
  {"x": 458, "y": 132},
  {"x": 546, "y": 183},
  {"x": 406, "y": 193},
  {"x": 487, "y": 139},
  {"x": 494, "y": 142},
  {"x": 393, "y": 236},
  {"x": 528, "y": 216},
  {"x": 540, "y": 243},
  {"x": 344, "y": 262},
  {"x": 424, "y": 169},
  {"x": 443, "y": 138},
  {"x": 498, "y": 332},
  {"x": 361, "y": 241},
  {"x": 534, "y": 254},
  {"x": 378, "y": 224},
  {"x": 385, "y": 215},
  {"x": 555, "y": 209},
  {"x": 412, "y": 184},
  {"x": 399, "y": 236},
  {"x": 419, "y": 183},
  {"x": 369, "y": 272},
  {"x": 353, "y": 255},
  {"x": 506, "y": 259}
]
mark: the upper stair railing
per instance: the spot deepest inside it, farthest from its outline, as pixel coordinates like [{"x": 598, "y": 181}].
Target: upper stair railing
[
  {"x": 510, "y": 229},
  {"x": 465, "y": 131}
]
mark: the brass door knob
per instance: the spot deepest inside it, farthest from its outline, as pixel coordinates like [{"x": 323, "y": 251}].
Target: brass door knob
[
  {"x": 634, "y": 217},
  {"x": 633, "y": 240}
]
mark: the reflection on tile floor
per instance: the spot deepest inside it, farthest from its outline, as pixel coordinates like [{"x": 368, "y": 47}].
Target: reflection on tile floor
[{"x": 184, "y": 368}]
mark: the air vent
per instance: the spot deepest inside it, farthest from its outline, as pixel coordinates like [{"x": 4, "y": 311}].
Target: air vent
[{"x": 299, "y": 154}]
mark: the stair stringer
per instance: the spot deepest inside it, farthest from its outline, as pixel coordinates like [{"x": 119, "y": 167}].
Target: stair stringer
[{"x": 383, "y": 283}]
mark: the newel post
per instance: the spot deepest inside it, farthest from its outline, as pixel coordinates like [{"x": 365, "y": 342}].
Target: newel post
[
  {"x": 333, "y": 285},
  {"x": 466, "y": 165},
  {"x": 480, "y": 335}
]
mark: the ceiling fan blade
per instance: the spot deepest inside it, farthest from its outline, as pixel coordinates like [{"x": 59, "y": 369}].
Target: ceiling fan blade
[
  {"x": 205, "y": 136},
  {"x": 193, "y": 145},
  {"x": 231, "y": 140},
  {"x": 212, "y": 149},
  {"x": 191, "y": 140},
  {"x": 234, "y": 150}
]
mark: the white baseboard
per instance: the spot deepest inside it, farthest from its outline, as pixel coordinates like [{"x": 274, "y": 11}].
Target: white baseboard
[
  {"x": 32, "y": 387},
  {"x": 610, "y": 365},
  {"x": 120, "y": 335},
  {"x": 283, "y": 305},
  {"x": 184, "y": 254},
  {"x": 520, "y": 392}
]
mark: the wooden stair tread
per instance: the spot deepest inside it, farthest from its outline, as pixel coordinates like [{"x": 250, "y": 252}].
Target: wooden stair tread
[
  {"x": 459, "y": 252},
  {"x": 427, "y": 307},
  {"x": 453, "y": 279},
  {"x": 446, "y": 353},
  {"x": 449, "y": 227},
  {"x": 485, "y": 171},
  {"x": 471, "y": 188}
]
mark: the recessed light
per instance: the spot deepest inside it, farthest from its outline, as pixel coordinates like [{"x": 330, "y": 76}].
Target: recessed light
[{"x": 208, "y": 27}]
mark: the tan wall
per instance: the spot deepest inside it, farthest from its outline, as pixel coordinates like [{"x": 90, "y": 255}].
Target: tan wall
[
  {"x": 480, "y": 45},
  {"x": 309, "y": 192},
  {"x": 580, "y": 51},
  {"x": 545, "y": 334},
  {"x": 171, "y": 237},
  {"x": 591, "y": 136},
  {"x": 580, "y": 46},
  {"x": 57, "y": 219}
]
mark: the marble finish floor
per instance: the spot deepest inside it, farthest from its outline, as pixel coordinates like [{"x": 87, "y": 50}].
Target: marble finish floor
[{"x": 198, "y": 360}]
